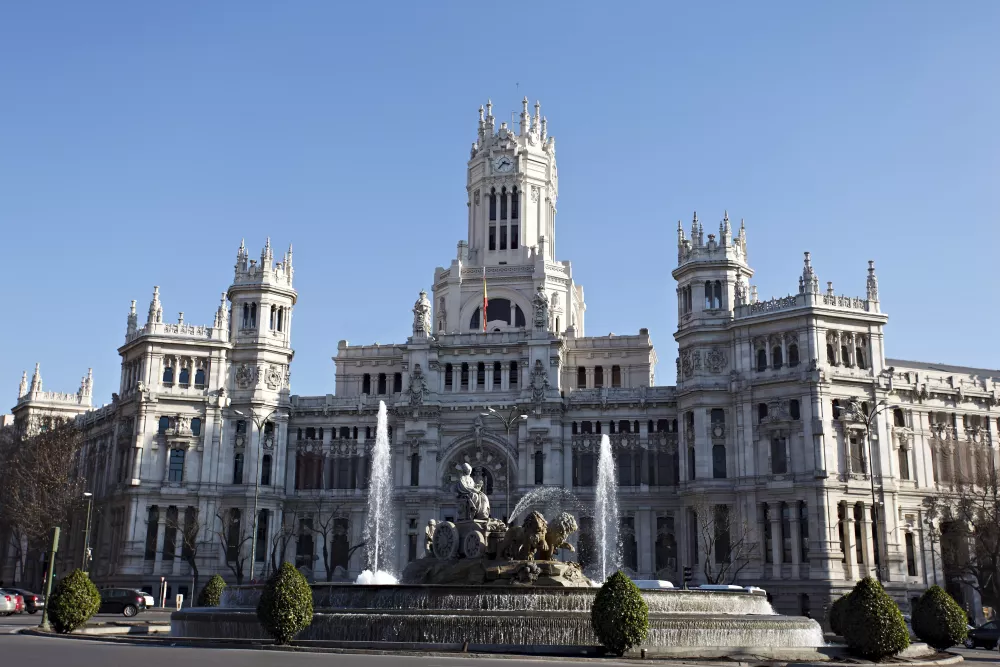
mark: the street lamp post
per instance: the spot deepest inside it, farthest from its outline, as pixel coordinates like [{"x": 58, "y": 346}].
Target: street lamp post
[
  {"x": 508, "y": 420},
  {"x": 86, "y": 533},
  {"x": 859, "y": 414},
  {"x": 259, "y": 423}
]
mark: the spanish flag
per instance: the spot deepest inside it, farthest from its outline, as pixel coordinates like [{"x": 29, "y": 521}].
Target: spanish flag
[{"x": 485, "y": 300}]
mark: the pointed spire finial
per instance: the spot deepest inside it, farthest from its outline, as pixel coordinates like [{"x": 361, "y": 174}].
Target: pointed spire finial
[
  {"x": 22, "y": 388},
  {"x": 36, "y": 379},
  {"x": 481, "y": 119},
  {"x": 872, "y": 281}
]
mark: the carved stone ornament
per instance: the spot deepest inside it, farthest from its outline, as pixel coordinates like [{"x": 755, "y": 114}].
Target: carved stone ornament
[
  {"x": 246, "y": 375},
  {"x": 715, "y": 360},
  {"x": 687, "y": 364},
  {"x": 418, "y": 386},
  {"x": 273, "y": 378},
  {"x": 539, "y": 383},
  {"x": 534, "y": 194},
  {"x": 541, "y": 304},
  {"x": 445, "y": 540}
]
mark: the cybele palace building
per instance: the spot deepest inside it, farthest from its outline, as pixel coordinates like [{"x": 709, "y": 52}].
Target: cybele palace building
[{"x": 760, "y": 425}]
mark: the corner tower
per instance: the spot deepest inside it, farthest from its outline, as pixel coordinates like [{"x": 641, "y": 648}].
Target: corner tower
[{"x": 512, "y": 186}]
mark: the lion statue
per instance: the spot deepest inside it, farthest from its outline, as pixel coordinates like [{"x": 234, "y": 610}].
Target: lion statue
[
  {"x": 521, "y": 542},
  {"x": 559, "y": 529}
]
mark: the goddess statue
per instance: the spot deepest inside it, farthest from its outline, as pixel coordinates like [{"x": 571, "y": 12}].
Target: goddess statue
[{"x": 473, "y": 501}]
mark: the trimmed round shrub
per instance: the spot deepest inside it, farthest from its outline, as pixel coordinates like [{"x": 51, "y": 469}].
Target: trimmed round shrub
[
  {"x": 838, "y": 614},
  {"x": 211, "y": 594},
  {"x": 874, "y": 627},
  {"x": 72, "y": 603},
  {"x": 939, "y": 620},
  {"x": 286, "y": 604},
  {"x": 619, "y": 616}
]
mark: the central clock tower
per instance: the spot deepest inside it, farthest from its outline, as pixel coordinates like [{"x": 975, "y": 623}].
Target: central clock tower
[{"x": 512, "y": 185}]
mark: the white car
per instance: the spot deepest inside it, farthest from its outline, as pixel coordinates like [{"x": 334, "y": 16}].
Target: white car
[
  {"x": 150, "y": 602},
  {"x": 8, "y": 603}
]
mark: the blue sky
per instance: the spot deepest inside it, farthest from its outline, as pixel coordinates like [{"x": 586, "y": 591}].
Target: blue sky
[{"x": 139, "y": 142}]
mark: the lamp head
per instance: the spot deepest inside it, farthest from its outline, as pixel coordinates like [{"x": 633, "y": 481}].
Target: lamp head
[
  {"x": 485, "y": 414},
  {"x": 87, "y": 494},
  {"x": 238, "y": 412},
  {"x": 524, "y": 416},
  {"x": 490, "y": 408}
]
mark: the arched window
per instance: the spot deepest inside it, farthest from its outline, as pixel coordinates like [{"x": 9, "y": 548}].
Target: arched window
[
  {"x": 381, "y": 384},
  {"x": 691, "y": 462},
  {"x": 246, "y": 315},
  {"x": 761, "y": 360},
  {"x": 793, "y": 355},
  {"x": 265, "y": 470},
  {"x": 616, "y": 376},
  {"x": 503, "y": 210},
  {"x": 397, "y": 383},
  {"x": 281, "y": 318},
  {"x": 581, "y": 377},
  {"x": 515, "y": 208},
  {"x": 465, "y": 375},
  {"x": 345, "y": 433},
  {"x": 709, "y": 303},
  {"x": 176, "y": 471},
  {"x": 718, "y": 294},
  {"x": 624, "y": 426},
  {"x": 761, "y": 412},
  {"x": 793, "y": 409},
  {"x": 447, "y": 376},
  {"x": 845, "y": 357},
  {"x": 493, "y": 206},
  {"x": 831, "y": 356},
  {"x": 185, "y": 378},
  {"x": 496, "y": 374},
  {"x": 776, "y": 357},
  {"x": 598, "y": 376},
  {"x": 196, "y": 426},
  {"x": 164, "y": 424},
  {"x": 253, "y": 315},
  {"x": 513, "y": 374},
  {"x": 199, "y": 377},
  {"x": 238, "y": 468},
  {"x": 272, "y": 324},
  {"x": 719, "y": 461},
  {"x": 481, "y": 374},
  {"x": 859, "y": 356},
  {"x": 168, "y": 375},
  {"x": 539, "y": 468},
  {"x": 366, "y": 383}
]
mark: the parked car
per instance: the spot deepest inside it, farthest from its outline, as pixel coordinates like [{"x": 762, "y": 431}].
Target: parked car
[
  {"x": 123, "y": 601},
  {"x": 150, "y": 602},
  {"x": 986, "y": 635},
  {"x": 32, "y": 601},
  {"x": 8, "y": 602}
]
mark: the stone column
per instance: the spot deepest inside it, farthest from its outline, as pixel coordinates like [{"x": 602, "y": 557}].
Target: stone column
[
  {"x": 776, "y": 541},
  {"x": 866, "y": 540},
  {"x": 849, "y": 548},
  {"x": 644, "y": 543},
  {"x": 160, "y": 535},
  {"x": 762, "y": 532},
  {"x": 796, "y": 539}
]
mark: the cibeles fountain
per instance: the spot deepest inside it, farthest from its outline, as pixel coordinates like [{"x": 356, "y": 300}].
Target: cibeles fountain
[{"x": 488, "y": 586}]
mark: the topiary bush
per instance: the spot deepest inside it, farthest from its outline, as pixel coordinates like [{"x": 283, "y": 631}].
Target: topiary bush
[
  {"x": 938, "y": 619},
  {"x": 286, "y": 605},
  {"x": 72, "y": 603},
  {"x": 838, "y": 614},
  {"x": 873, "y": 625},
  {"x": 619, "y": 616},
  {"x": 211, "y": 594}
]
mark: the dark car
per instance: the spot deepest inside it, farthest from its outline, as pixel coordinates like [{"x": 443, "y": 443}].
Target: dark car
[
  {"x": 32, "y": 601},
  {"x": 123, "y": 601},
  {"x": 986, "y": 635}
]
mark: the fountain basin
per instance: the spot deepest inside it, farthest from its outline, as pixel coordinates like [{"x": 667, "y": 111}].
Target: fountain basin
[{"x": 510, "y": 618}]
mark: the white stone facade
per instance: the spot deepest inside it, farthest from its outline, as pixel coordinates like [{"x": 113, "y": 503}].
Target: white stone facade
[{"x": 757, "y": 422}]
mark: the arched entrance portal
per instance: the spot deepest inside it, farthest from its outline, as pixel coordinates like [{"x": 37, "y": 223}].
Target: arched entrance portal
[{"x": 490, "y": 468}]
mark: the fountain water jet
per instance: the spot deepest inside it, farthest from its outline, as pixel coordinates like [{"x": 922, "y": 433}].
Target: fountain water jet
[
  {"x": 606, "y": 514},
  {"x": 379, "y": 542},
  {"x": 550, "y": 501}
]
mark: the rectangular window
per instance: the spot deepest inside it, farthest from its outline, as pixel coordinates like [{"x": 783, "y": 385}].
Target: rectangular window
[
  {"x": 539, "y": 468},
  {"x": 503, "y": 237},
  {"x": 804, "y": 531},
  {"x": 616, "y": 376},
  {"x": 176, "y": 473},
  {"x": 514, "y": 238},
  {"x": 857, "y": 454},
  {"x": 786, "y": 534},
  {"x": 779, "y": 459},
  {"x": 493, "y": 237},
  {"x": 904, "y": 464},
  {"x": 598, "y": 376},
  {"x": 911, "y": 556},
  {"x": 415, "y": 470},
  {"x": 411, "y": 549}
]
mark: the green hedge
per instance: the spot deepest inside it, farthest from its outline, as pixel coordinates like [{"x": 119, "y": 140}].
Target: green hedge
[
  {"x": 286, "y": 605},
  {"x": 837, "y": 616},
  {"x": 874, "y": 627},
  {"x": 939, "y": 620},
  {"x": 72, "y": 603},
  {"x": 211, "y": 594},
  {"x": 619, "y": 616}
]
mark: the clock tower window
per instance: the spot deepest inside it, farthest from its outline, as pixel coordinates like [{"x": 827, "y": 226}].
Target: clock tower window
[
  {"x": 503, "y": 203},
  {"x": 493, "y": 203},
  {"x": 493, "y": 237}
]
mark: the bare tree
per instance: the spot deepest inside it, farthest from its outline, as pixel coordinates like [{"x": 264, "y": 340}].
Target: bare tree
[
  {"x": 282, "y": 538},
  {"x": 235, "y": 534},
  {"x": 724, "y": 541},
  {"x": 188, "y": 530},
  {"x": 327, "y": 524},
  {"x": 43, "y": 486},
  {"x": 968, "y": 526}
]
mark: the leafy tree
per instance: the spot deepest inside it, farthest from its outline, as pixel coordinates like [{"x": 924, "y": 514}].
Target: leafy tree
[
  {"x": 286, "y": 606},
  {"x": 874, "y": 627},
  {"x": 211, "y": 594},
  {"x": 72, "y": 603},
  {"x": 619, "y": 615},
  {"x": 938, "y": 619}
]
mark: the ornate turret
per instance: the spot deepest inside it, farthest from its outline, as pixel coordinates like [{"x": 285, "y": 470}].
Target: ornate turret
[
  {"x": 808, "y": 281},
  {"x": 22, "y": 389},
  {"x": 133, "y": 320},
  {"x": 872, "y": 281},
  {"x": 36, "y": 380},
  {"x": 155, "y": 314},
  {"x": 87, "y": 383}
]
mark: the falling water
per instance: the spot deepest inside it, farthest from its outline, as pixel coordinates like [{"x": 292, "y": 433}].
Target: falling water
[
  {"x": 550, "y": 501},
  {"x": 606, "y": 514},
  {"x": 379, "y": 542}
]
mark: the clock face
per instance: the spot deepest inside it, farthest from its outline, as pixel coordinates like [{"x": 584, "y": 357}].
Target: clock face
[{"x": 503, "y": 164}]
